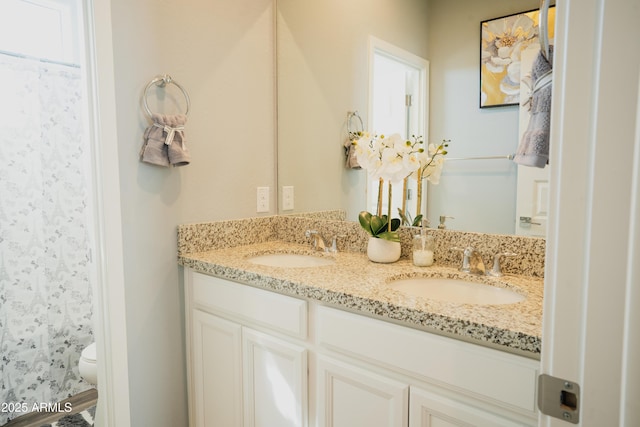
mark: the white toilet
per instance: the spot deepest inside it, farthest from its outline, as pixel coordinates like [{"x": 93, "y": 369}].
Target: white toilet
[{"x": 87, "y": 364}]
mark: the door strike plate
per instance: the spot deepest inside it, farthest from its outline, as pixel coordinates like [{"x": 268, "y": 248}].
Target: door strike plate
[{"x": 559, "y": 398}]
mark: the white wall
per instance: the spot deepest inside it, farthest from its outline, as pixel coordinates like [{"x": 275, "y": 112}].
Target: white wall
[
  {"x": 221, "y": 51},
  {"x": 488, "y": 185}
]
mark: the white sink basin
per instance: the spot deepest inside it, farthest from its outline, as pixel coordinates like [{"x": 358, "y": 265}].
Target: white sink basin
[
  {"x": 456, "y": 290},
  {"x": 290, "y": 260}
]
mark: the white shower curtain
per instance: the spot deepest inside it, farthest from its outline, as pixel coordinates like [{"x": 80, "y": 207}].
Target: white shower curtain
[{"x": 45, "y": 234}]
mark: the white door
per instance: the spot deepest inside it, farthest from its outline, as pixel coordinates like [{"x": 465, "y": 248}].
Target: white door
[
  {"x": 216, "y": 371},
  {"x": 398, "y": 94},
  {"x": 275, "y": 382},
  {"x": 348, "y": 396},
  {"x": 428, "y": 409},
  {"x": 532, "y": 198},
  {"x": 592, "y": 280}
]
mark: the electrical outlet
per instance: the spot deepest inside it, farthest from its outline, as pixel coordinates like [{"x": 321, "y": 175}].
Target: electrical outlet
[
  {"x": 287, "y": 198},
  {"x": 263, "y": 199}
]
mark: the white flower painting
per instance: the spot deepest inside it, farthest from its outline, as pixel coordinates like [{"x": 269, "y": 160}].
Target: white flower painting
[{"x": 502, "y": 42}]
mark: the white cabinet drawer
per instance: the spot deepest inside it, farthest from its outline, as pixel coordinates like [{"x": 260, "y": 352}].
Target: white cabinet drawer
[
  {"x": 481, "y": 372},
  {"x": 249, "y": 305}
]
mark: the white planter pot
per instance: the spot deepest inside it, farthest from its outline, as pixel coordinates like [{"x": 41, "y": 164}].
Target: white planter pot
[{"x": 384, "y": 251}]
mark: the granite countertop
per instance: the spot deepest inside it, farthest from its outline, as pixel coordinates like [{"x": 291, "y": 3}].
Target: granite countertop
[{"x": 356, "y": 284}]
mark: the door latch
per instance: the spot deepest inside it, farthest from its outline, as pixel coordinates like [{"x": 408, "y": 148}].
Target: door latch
[
  {"x": 526, "y": 220},
  {"x": 559, "y": 398}
]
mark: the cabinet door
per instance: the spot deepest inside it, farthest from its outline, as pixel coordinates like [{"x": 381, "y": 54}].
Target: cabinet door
[
  {"x": 348, "y": 396},
  {"x": 428, "y": 409},
  {"x": 275, "y": 381},
  {"x": 216, "y": 371}
]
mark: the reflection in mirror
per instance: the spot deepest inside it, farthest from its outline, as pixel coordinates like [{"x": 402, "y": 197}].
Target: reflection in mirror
[
  {"x": 323, "y": 73},
  {"x": 397, "y": 105}
]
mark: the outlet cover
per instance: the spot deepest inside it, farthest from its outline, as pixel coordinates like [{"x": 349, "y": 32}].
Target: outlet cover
[
  {"x": 263, "y": 200},
  {"x": 287, "y": 198}
]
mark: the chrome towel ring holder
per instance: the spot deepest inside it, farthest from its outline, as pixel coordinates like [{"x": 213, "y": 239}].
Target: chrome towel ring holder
[
  {"x": 162, "y": 81},
  {"x": 350, "y": 116}
]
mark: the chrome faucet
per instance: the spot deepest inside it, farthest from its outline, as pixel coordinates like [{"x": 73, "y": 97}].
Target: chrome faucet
[
  {"x": 471, "y": 261},
  {"x": 496, "y": 270},
  {"x": 319, "y": 243}
]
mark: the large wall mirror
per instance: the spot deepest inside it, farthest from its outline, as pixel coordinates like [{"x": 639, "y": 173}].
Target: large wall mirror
[{"x": 323, "y": 74}]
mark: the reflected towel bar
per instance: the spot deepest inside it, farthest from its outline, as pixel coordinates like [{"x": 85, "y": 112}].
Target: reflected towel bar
[
  {"x": 543, "y": 28},
  {"x": 507, "y": 157}
]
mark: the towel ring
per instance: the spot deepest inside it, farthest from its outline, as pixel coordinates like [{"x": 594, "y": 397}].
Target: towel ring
[
  {"x": 351, "y": 115},
  {"x": 162, "y": 81}
]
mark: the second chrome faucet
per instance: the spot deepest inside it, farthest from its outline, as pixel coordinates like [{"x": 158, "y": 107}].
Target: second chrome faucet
[
  {"x": 319, "y": 243},
  {"x": 472, "y": 262}
]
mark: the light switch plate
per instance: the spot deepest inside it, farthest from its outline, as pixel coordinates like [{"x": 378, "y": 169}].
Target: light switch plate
[
  {"x": 287, "y": 198},
  {"x": 263, "y": 200}
]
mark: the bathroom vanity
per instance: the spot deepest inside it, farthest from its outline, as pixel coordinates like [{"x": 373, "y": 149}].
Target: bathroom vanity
[{"x": 334, "y": 344}]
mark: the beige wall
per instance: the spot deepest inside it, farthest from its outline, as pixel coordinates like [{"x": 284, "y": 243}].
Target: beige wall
[{"x": 221, "y": 51}]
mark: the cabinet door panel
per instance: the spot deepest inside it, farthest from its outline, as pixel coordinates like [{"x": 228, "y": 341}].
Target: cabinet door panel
[
  {"x": 503, "y": 377},
  {"x": 428, "y": 409},
  {"x": 275, "y": 381},
  {"x": 348, "y": 396},
  {"x": 216, "y": 371}
]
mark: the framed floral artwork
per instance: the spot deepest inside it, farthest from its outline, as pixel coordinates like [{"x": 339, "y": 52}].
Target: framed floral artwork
[{"x": 501, "y": 42}]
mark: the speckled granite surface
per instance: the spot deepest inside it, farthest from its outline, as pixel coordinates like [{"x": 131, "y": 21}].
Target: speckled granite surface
[{"x": 357, "y": 284}]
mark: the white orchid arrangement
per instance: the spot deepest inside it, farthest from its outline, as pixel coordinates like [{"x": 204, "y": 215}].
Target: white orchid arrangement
[{"x": 393, "y": 159}]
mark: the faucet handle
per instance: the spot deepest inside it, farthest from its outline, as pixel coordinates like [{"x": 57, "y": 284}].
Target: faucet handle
[
  {"x": 334, "y": 245},
  {"x": 466, "y": 257},
  {"x": 442, "y": 224},
  {"x": 318, "y": 241},
  {"x": 496, "y": 270}
]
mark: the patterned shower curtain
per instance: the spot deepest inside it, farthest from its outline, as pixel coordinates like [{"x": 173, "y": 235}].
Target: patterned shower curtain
[{"x": 46, "y": 267}]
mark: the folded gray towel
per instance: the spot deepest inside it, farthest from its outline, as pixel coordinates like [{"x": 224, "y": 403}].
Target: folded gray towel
[
  {"x": 534, "y": 147},
  {"x": 164, "y": 141},
  {"x": 350, "y": 153}
]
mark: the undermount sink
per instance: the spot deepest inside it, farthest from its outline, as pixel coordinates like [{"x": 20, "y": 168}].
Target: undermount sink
[
  {"x": 289, "y": 260},
  {"x": 456, "y": 290}
]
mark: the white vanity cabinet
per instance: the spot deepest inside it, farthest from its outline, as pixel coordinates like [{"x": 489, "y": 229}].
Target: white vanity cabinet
[
  {"x": 239, "y": 375},
  {"x": 259, "y": 358},
  {"x": 449, "y": 382}
]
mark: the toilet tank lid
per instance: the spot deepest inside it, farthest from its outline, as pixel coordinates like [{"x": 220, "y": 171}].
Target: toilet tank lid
[{"x": 89, "y": 353}]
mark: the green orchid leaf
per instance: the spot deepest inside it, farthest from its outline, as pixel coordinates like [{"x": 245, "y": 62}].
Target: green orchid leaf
[
  {"x": 392, "y": 236},
  {"x": 365, "y": 221},
  {"x": 417, "y": 221},
  {"x": 378, "y": 224}
]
